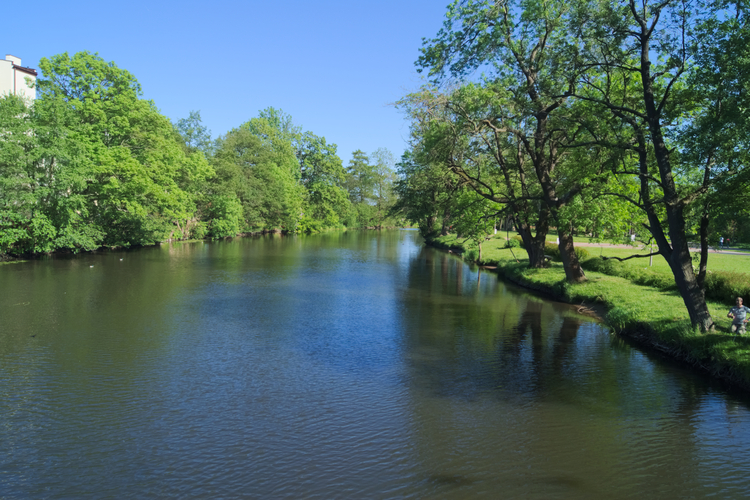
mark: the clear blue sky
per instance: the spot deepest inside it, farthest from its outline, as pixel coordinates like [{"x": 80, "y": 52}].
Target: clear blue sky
[{"x": 334, "y": 66}]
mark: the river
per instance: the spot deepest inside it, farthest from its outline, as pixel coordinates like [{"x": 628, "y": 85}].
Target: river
[{"x": 345, "y": 365}]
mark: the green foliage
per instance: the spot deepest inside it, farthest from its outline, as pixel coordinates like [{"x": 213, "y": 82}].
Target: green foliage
[
  {"x": 424, "y": 194},
  {"x": 617, "y": 118},
  {"x": 126, "y": 178},
  {"x": 224, "y": 214},
  {"x": 322, "y": 175},
  {"x": 369, "y": 181},
  {"x": 514, "y": 242},
  {"x": 256, "y": 164},
  {"x": 645, "y": 277},
  {"x": 21, "y": 235},
  {"x": 471, "y": 255},
  {"x": 283, "y": 178},
  {"x": 195, "y": 135},
  {"x": 553, "y": 251},
  {"x": 727, "y": 286},
  {"x": 92, "y": 164}
]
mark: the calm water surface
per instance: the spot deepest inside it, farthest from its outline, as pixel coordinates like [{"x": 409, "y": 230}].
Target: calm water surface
[{"x": 352, "y": 365}]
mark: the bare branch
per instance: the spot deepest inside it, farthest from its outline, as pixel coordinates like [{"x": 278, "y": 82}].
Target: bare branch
[{"x": 638, "y": 256}]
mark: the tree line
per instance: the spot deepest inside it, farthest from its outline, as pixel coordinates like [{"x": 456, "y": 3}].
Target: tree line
[
  {"x": 92, "y": 164},
  {"x": 596, "y": 116}
]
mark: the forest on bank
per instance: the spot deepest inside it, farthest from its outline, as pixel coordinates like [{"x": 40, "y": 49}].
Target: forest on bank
[
  {"x": 600, "y": 117},
  {"x": 91, "y": 164}
]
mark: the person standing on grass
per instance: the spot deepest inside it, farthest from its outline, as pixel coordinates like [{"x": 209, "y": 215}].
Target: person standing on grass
[
  {"x": 739, "y": 317},
  {"x": 721, "y": 242}
]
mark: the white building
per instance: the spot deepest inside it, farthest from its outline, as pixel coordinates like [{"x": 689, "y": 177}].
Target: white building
[{"x": 15, "y": 79}]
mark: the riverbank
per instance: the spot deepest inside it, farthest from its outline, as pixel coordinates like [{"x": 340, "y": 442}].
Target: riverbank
[
  {"x": 653, "y": 318},
  {"x": 7, "y": 258}
]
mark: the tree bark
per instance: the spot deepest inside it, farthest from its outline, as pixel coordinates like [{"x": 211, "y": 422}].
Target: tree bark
[
  {"x": 702, "y": 268},
  {"x": 444, "y": 228},
  {"x": 678, "y": 253},
  {"x": 692, "y": 294},
  {"x": 534, "y": 245},
  {"x": 573, "y": 270}
]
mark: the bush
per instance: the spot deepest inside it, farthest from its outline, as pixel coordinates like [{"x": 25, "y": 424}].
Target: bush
[
  {"x": 513, "y": 242},
  {"x": 553, "y": 251},
  {"x": 720, "y": 286},
  {"x": 644, "y": 277},
  {"x": 727, "y": 286}
]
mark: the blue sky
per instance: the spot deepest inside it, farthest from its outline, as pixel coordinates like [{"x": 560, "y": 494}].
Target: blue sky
[{"x": 334, "y": 66}]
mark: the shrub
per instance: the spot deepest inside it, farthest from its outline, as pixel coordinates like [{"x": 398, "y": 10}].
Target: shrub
[
  {"x": 720, "y": 286},
  {"x": 644, "y": 277},
  {"x": 600, "y": 265},
  {"x": 727, "y": 286},
  {"x": 512, "y": 243},
  {"x": 553, "y": 251}
]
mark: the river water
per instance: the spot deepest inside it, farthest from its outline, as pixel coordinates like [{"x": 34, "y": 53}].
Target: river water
[{"x": 346, "y": 365}]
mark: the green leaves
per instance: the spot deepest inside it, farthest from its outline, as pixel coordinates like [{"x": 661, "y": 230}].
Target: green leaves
[{"x": 92, "y": 164}]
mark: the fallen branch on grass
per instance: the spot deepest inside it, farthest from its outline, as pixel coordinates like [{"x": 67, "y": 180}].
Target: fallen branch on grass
[{"x": 622, "y": 259}]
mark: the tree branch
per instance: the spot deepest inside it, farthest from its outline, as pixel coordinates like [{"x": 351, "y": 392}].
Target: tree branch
[{"x": 637, "y": 256}]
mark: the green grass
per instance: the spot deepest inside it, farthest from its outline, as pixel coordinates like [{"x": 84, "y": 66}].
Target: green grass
[
  {"x": 728, "y": 274},
  {"x": 656, "y": 312}
]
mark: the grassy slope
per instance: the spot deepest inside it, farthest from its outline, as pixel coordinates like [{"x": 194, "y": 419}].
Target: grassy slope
[{"x": 656, "y": 317}]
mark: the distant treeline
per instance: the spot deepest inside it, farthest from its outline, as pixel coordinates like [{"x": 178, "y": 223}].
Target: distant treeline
[{"x": 91, "y": 164}]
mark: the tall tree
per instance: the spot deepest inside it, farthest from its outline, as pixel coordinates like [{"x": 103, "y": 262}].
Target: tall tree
[
  {"x": 360, "y": 177},
  {"x": 256, "y": 164},
  {"x": 384, "y": 176},
  {"x": 112, "y": 159},
  {"x": 195, "y": 135},
  {"x": 323, "y": 176},
  {"x": 534, "y": 68},
  {"x": 450, "y": 129},
  {"x": 641, "y": 56},
  {"x": 24, "y": 224},
  {"x": 425, "y": 194}
]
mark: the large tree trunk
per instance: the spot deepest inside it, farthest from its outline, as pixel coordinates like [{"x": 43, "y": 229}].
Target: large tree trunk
[
  {"x": 681, "y": 264},
  {"x": 445, "y": 227},
  {"x": 675, "y": 249},
  {"x": 678, "y": 256},
  {"x": 534, "y": 245},
  {"x": 428, "y": 231},
  {"x": 535, "y": 250},
  {"x": 573, "y": 270}
]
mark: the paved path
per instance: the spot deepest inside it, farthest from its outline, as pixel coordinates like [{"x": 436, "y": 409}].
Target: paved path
[{"x": 728, "y": 251}]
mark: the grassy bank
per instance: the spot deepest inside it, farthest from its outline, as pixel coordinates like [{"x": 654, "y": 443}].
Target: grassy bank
[{"x": 654, "y": 316}]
